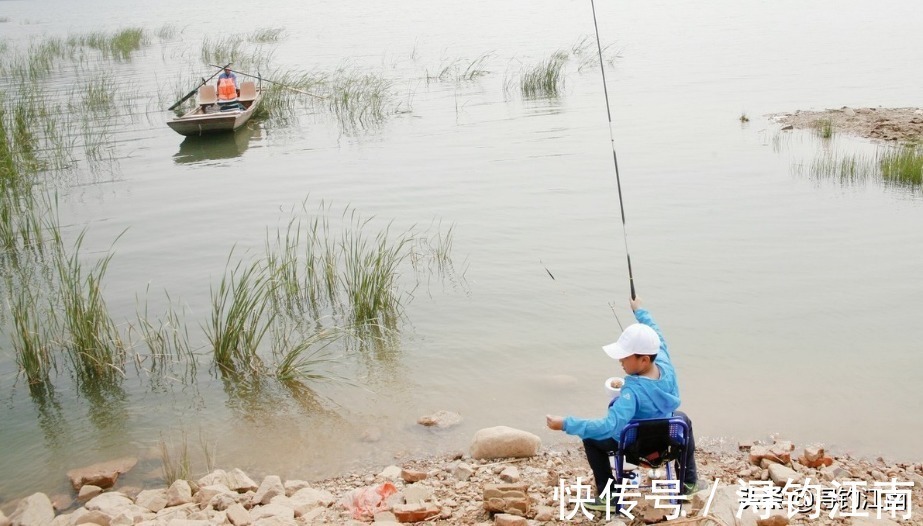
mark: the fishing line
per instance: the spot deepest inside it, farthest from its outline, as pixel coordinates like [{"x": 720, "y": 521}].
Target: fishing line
[{"x": 615, "y": 159}]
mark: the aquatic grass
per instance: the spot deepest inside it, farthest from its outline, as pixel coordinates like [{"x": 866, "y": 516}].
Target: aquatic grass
[
  {"x": 369, "y": 276},
  {"x": 359, "y": 100},
  {"x": 586, "y": 51},
  {"x": 30, "y": 340},
  {"x": 175, "y": 466},
  {"x": 266, "y": 35},
  {"x": 544, "y": 80},
  {"x": 307, "y": 359},
  {"x": 459, "y": 69},
  {"x": 824, "y": 128},
  {"x": 847, "y": 169},
  {"x": 743, "y": 118},
  {"x": 92, "y": 339},
  {"x": 239, "y": 319},
  {"x": 119, "y": 45},
  {"x": 234, "y": 49},
  {"x": 167, "y": 32},
  {"x": 902, "y": 165},
  {"x": 167, "y": 340}
]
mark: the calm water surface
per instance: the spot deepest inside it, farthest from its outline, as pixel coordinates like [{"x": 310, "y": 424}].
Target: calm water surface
[{"x": 791, "y": 305}]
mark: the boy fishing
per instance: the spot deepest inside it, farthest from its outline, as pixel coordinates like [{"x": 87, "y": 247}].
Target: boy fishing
[{"x": 650, "y": 391}]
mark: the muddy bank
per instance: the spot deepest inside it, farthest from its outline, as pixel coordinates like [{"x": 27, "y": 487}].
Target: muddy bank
[
  {"x": 886, "y": 124},
  {"x": 456, "y": 489}
]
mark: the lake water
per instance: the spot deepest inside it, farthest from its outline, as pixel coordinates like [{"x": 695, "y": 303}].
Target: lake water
[{"x": 790, "y": 303}]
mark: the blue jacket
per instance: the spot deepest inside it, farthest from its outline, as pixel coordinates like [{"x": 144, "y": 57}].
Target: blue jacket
[{"x": 641, "y": 397}]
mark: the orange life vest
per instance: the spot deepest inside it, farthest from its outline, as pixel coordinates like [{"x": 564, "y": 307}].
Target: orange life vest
[{"x": 226, "y": 89}]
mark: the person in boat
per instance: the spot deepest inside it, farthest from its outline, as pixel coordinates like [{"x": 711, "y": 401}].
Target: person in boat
[
  {"x": 228, "y": 89},
  {"x": 650, "y": 390}
]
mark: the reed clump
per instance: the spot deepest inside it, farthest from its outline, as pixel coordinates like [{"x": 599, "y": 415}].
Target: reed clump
[
  {"x": 266, "y": 35},
  {"x": 544, "y": 80},
  {"x": 824, "y": 128},
  {"x": 903, "y": 165}
]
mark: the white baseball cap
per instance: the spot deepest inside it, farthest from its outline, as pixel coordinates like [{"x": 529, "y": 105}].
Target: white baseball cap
[{"x": 635, "y": 339}]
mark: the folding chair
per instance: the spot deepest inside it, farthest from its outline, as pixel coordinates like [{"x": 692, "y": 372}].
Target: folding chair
[{"x": 656, "y": 444}]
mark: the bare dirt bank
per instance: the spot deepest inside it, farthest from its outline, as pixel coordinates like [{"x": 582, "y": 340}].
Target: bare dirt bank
[{"x": 886, "y": 124}]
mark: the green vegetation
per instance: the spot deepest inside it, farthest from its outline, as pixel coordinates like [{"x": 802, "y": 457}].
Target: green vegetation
[
  {"x": 266, "y": 35},
  {"x": 460, "y": 70},
  {"x": 903, "y": 165},
  {"x": 824, "y": 128},
  {"x": 544, "y": 80}
]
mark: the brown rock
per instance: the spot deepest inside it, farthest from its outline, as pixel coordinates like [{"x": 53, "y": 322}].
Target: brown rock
[
  {"x": 505, "y": 519},
  {"x": 414, "y": 512},
  {"x": 88, "y": 491},
  {"x": 103, "y": 474},
  {"x": 775, "y": 520},
  {"x": 507, "y": 498},
  {"x": 813, "y": 453},
  {"x": 757, "y": 454},
  {"x": 411, "y": 476}
]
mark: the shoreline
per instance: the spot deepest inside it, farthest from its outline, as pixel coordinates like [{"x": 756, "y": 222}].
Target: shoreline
[
  {"x": 449, "y": 489},
  {"x": 903, "y": 125}
]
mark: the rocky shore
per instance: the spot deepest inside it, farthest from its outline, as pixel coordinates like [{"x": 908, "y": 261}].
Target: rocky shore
[
  {"x": 507, "y": 478},
  {"x": 886, "y": 124}
]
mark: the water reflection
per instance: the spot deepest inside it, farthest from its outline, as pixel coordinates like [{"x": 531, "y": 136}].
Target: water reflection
[
  {"x": 51, "y": 417},
  {"x": 195, "y": 149}
]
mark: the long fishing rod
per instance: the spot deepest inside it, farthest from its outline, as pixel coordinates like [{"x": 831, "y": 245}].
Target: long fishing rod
[
  {"x": 615, "y": 159},
  {"x": 263, "y": 79}
]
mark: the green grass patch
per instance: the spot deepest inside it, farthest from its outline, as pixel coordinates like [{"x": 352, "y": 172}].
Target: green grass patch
[
  {"x": 545, "y": 79},
  {"x": 902, "y": 165},
  {"x": 824, "y": 128}
]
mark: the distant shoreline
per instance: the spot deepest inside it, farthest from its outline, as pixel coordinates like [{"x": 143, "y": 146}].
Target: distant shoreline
[{"x": 886, "y": 124}]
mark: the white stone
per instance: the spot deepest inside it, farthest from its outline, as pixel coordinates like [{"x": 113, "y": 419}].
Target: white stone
[
  {"x": 238, "y": 481},
  {"x": 34, "y": 510},
  {"x": 108, "y": 503},
  {"x": 152, "y": 499},
  {"x": 179, "y": 493},
  {"x": 219, "y": 476},
  {"x": 780, "y": 474},
  {"x": 238, "y": 515},
  {"x": 292, "y": 486},
  {"x": 271, "y": 510},
  {"x": 503, "y": 442},
  {"x": 510, "y": 474},
  {"x": 462, "y": 472},
  {"x": 391, "y": 472},
  {"x": 307, "y": 499},
  {"x": 417, "y": 493},
  {"x": 269, "y": 488}
]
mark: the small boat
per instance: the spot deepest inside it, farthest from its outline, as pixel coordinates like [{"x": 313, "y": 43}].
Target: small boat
[{"x": 213, "y": 116}]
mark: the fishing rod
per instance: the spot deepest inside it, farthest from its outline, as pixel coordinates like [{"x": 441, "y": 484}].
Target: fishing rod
[
  {"x": 615, "y": 159},
  {"x": 274, "y": 82}
]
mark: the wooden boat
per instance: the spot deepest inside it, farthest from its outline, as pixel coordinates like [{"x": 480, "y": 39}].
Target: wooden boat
[{"x": 211, "y": 116}]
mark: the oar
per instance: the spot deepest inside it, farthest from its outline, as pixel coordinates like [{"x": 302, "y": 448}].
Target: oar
[
  {"x": 274, "y": 82},
  {"x": 194, "y": 90}
]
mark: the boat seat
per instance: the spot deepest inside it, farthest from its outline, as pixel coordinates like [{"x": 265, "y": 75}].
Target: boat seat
[
  {"x": 247, "y": 91},
  {"x": 207, "y": 95}
]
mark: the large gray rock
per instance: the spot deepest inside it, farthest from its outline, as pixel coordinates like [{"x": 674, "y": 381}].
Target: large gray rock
[
  {"x": 503, "y": 442},
  {"x": 103, "y": 474},
  {"x": 34, "y": 510}
]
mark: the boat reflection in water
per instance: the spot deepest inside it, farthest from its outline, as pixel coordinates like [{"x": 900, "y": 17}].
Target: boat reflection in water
[{"x": 196, "y": 149}]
